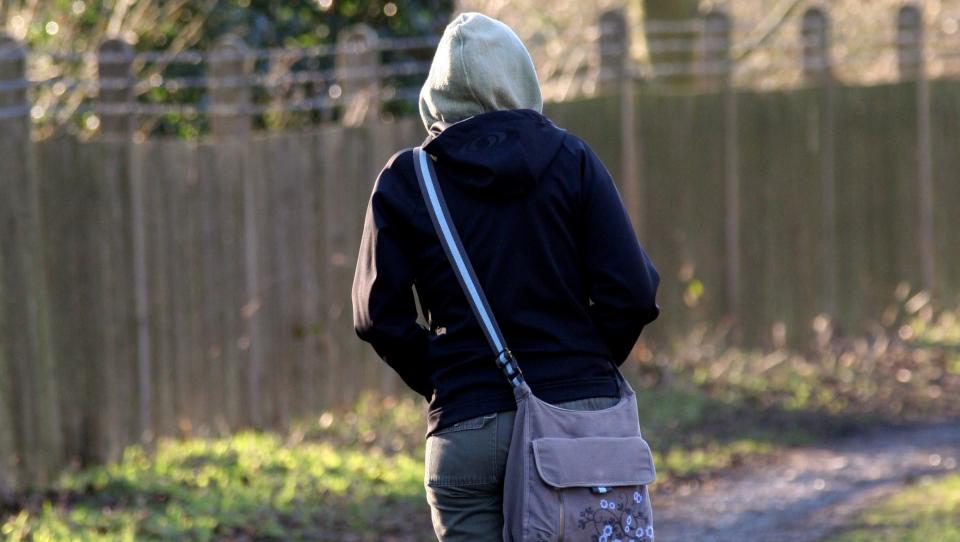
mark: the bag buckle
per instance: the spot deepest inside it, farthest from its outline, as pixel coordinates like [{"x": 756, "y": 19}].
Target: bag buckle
[{"x": 508, "y": 364}]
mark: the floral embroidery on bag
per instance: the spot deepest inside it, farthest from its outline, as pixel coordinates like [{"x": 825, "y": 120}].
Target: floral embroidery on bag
[{"x": 618, "y": 521}]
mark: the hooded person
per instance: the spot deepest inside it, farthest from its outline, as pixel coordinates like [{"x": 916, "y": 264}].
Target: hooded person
[
  {"x": 551, "y": 244},
  {"x": 480, "y": 66}
]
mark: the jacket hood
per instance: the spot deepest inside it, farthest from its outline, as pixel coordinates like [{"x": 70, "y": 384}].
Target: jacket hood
[
  {"x": 480, "y": 65},
  {"x": 500, "y": 154}
]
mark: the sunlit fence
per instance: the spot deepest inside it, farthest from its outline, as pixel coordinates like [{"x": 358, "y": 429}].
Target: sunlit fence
[
  {"x": 191, "y": 93},
  {"x": 364, "y": 77},
  {"x": 160, "y": 285}
]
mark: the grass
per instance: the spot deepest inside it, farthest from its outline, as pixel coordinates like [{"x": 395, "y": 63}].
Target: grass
[
  {"x": 927, "y": 512},
  {"x": 249, "y": 486},
  {"x": 356, "y": 474},
  {"x": 355, "y": 471}
]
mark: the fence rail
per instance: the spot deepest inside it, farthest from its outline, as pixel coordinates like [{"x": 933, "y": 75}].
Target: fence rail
[
  {"x": 153, "y": 286},
  {"x": 364, "y": 75}
]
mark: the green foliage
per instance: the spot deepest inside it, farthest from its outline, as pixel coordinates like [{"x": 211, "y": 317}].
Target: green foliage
[
  {"x": 155, "y": 25},
  {"x": 265, "y": 23},
  {"x": 926, "y": 512}
]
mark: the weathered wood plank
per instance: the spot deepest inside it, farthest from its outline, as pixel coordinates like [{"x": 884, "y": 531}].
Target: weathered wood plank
[
  {"x": 231, "y": 180},
  {"x": 311, "y": 305},
  {"x": 158, "y": 261},
  {"x": 255, "y": 339},
  {"x": 340, "y": 370},
  {"x": 11, "y": 70},
  {"x": 26, "y": 318}
]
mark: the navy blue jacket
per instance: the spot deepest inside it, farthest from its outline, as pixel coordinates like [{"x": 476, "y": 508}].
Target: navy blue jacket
[{"x": 552, "y": 246}]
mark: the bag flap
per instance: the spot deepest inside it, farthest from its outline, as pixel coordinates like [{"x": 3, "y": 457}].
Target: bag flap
[{"x": 594, "y": 461}]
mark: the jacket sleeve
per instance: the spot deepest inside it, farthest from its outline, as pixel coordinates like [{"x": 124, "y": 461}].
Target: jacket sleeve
[
  {"x": 384, "y": 310},
  {"x": 621, "y": 280}
]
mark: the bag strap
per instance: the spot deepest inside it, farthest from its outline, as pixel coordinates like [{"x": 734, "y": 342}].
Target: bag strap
[{"x": 462, "y": 268}]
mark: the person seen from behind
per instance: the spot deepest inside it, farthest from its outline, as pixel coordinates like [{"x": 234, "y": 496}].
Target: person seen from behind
[{"x": 551, "y": 243}]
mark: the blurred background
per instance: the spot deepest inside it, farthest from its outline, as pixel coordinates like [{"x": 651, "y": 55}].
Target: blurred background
[{"x": 182, "y": 188}]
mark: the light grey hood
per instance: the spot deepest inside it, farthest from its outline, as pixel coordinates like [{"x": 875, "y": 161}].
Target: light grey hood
[{"x": 480, "y": 66}]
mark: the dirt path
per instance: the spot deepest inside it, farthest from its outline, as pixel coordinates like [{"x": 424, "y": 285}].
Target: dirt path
[{"x": 811, "y": 491}]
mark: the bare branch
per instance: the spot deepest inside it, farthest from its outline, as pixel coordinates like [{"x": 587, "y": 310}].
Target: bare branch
[{"x": 777, "y": 18}]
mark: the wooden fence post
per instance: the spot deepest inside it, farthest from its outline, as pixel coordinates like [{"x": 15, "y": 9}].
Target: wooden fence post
[
  {"x": 25, "y": 327},
  {"x": 146, "y": 427},
  {"x": 616, "y": 74},
  {"x": 13, "y": 110},
  {"x": 231, "y": 65},
  {"x": 357, "y": 68},
  {"x": 229, "y": 68},
  {"x": 114, "y": 63},
  {"x": 717, "y": 28},
  {"x": 614, "y": 45},
  {"x": 909, "y": 42},
  {"x": 814, "y": 32},
  {"x": 118, "y": 368},
  {"x": 912, "y": 64},
  {"x": 118, "y": 123},
  {"x": 817, "y": 69}
]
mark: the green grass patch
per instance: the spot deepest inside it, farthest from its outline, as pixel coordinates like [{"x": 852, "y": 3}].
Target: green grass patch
[
  {"x": 249, "y": 486},
  {"x": 358, "y": 470},
  {"x": 926, "y": 512}
]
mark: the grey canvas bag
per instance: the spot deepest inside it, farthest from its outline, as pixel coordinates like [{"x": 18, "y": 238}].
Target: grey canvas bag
[{"x": 571, "y": 475}]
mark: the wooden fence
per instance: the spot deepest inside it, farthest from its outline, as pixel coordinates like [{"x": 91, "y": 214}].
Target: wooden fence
[
  {"x": 156, "y": 287},
  {"x": 792, "y": 228}
]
